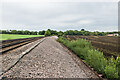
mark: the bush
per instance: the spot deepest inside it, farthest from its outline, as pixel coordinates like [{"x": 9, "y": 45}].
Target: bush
[
  {"x": 80, "y": 47},
  {"x": 96, "y": 60},
  {"x": 63, "y": 40},
  {"x": 118, "y": 65},
  {"x": 47, "y": 33},
  {"x": 111, "y": 72},
  {"x": 110, "y": 68},
  {"x": 80, "y": 43},
  {"x": 82, "y": 53}
]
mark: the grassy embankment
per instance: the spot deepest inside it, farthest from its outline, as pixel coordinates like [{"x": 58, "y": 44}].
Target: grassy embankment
[
  {"x": 16, "y": 36},
  {"x": 110, "y": 68}
]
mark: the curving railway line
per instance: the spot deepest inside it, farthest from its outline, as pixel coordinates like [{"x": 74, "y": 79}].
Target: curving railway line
[{"x": 8, "y": 45}]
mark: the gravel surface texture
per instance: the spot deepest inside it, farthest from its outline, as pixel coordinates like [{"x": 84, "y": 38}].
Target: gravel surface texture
[
  {"x": 10, "y": 57},
  {"x": 50, "y": 60}
]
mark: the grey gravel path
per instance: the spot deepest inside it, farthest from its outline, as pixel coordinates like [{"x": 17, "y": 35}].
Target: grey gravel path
[{"x": 49, "y": 60}]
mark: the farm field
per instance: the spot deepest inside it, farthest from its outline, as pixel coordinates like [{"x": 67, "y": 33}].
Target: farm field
[
  {"x": 16, "y": 36},
  {"x": 108, "y": 45}
]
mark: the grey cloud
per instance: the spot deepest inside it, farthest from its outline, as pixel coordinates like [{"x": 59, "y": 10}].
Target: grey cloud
[{"x": 60, "y": 16}]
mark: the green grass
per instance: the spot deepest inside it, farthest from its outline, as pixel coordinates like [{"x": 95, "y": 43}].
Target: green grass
[{"x": 16, "y": 36}]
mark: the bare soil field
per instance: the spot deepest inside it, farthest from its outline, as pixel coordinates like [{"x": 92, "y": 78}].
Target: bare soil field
[{"x": 110, "y": 46}]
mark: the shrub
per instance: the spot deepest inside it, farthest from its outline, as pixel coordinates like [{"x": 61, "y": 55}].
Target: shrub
[
  {"x": 118, "y": 65},
  {"x": 110, "y": 68},
  {"x": 113, "y": 67},
  {"x": 47, "y": 33},
  {"x": 96, "y": 60},
  {"x": 82, "y": 53},
  {"x": 80, "y": 47},
  {"x": 111, "y": 71},
  {"x": 63, "y": 40}
]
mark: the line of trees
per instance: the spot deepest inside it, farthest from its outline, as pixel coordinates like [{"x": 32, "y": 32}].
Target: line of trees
[
  {"x": 54, "y": 32},
  {"x": 26, "y": 32}
]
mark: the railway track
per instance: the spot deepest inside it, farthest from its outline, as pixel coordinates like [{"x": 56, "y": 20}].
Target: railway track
[{"x": 8, "y": 45}]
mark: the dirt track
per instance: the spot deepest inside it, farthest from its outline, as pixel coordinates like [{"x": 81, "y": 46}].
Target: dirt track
[{"x": 49, "y": 60}]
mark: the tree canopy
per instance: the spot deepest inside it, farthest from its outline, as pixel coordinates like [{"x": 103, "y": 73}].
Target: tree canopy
[
  {"x": 47, "y": 33},
  {"x": 59, "y": 33}
]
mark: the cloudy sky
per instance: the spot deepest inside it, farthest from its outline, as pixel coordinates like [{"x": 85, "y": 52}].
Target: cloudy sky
[{"x": 92, "y": 15}]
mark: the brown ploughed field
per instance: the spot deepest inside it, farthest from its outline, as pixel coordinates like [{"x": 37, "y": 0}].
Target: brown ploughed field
[{"x": 109, "y": 45}]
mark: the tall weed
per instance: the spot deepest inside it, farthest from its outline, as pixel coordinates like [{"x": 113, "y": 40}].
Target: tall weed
[
  {"x": 110, "y": 68},
  {"x": 96, "y": 60},
  {"x": 111, "y": 72}
]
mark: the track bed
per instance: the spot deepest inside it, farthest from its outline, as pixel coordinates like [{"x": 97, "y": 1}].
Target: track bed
[
  {"x": 50, "y": 60},
  {"x": 8, "y": 45}
]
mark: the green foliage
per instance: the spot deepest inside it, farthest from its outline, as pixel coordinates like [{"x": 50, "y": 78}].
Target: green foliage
[
  {"x": 63, "y": 40},
  {"x": 82, "y": 29},
  {"x": 53, "y": 32},
  {"x": 82, "y": 53},
  {"x": 118, "y": 65},
  {"x": 80, "y": 47},
  {"x": 80, "y": 43},
  {"x": 47, "y": 33},
  {"x": 111, "y": 71},
  {"x": 60, "y": 33},
  {"x": 118, "y": 61},
  {"x": 26, "y": 32},
  {"x": 85, "y": 33},
  {"x": 41, "y": 32},
  {"x": 84, "y": 49},
  {"x": 95, "y": 58}
]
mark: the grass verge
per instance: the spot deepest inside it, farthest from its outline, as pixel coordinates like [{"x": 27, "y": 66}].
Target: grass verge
[{"x": 110, "y": 68}]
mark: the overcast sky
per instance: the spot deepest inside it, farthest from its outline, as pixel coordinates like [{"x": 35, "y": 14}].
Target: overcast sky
[{"x": 59, "y": 15}]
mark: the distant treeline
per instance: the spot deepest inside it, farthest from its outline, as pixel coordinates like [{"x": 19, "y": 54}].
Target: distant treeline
[
  {"x": 26, "y": 32},
  {"x": 54, "y": 32}
]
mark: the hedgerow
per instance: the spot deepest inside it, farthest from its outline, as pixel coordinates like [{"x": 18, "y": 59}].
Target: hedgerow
[{"x": 110, "y": 68}]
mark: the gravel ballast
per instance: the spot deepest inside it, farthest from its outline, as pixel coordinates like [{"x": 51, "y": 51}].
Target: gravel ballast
[
  {"x": 9, "y": 58},
  {"x": 50, "y": 60}
]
